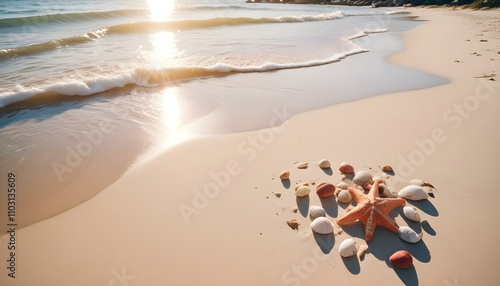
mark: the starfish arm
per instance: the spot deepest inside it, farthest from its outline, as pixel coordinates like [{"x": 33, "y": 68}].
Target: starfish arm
[
  {"x": 374, "y": 190},
  {"x": 388, "y": 204},
  {"x": 357, "y": 195},
  {"x": 353, "y": 216},
  {"x": 387, "y": 222}
]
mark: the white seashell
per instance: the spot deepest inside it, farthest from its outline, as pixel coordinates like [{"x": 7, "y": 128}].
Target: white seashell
[
  {"x": 324, "y": 164},
  {"x": 302, "y": 191},
  {"x": 361, "y": 251},
  {"x": 315, "y": 212},
  {"x": 348, "y": 248},
  {"x": 409, "y": 235},
  {"x": 413, "y": 192},
  {"x": 322, "y": 225},
  {"x": 342, "y": 186},
  {"x": 362, "y": 177},
  {"x": 344, "y": 197},
  {"x": 411, "y": 214},
  {"x": 386, "y": 192},
  {"x": 417, "y": 182}
]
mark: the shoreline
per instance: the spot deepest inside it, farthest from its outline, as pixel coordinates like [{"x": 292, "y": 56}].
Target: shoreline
[
  {"x": 77, "y": 176},
  {"x": 226, "y": 186}
]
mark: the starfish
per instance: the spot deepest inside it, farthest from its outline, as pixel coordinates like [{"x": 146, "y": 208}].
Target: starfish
[{"x": 372, "y": 210}]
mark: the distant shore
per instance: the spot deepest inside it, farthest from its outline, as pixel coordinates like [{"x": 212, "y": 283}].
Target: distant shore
[{"x": 475, "y": 4}]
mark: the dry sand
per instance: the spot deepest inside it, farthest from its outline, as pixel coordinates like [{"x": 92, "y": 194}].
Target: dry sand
[{"x": 233, "y": 230}]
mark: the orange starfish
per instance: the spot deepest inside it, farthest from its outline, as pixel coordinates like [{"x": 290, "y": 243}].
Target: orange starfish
[{"x": 372, "y": 210}]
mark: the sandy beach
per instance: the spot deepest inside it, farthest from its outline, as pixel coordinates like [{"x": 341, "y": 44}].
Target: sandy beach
[{"x": 212, "y": 211}]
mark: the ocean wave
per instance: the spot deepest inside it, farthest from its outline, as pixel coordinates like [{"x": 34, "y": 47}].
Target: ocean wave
[
  {"x": 51, "y": 45},
  {"x": 153, "y": 26},
  {"x": 69, "y": 17},
  {"x": 148, "y": 78},
  {"x": 366, "y": 32}
]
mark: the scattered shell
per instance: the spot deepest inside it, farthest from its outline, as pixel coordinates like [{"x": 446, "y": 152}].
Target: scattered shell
[
  {"x": 361, "y": 251},
  {"x": 401, "y": 259},
  {"x": 421, "y": 183},
  {"x": 388, "y": 169},
  {"x": 303, "y": 165},
  {"x": 348, "y": 248},
  {"x": 346, "y": 168},
  {"x": 325, "y": 190},
  {"x": 285, "y": 175},
  {"x": 342, "y": 186},
  {"x": 362, "y": 177},
  {"x": 315, "y": 212},
  {"x": 295, "y": 210},
  {"x": 302, "y": 191},
  {"x": 413, "y": 192},
  {"x": 322, "y": 225},
  {"x": 386, "y": 192},
  {"x": 324, "y": 164},
  {"x": 409, "y": 235},
  {"x": 411, "y": 214},
  {"x": 367, "y": 185},
  {"x": 278, "y": 195},
  {"x": 344, "y": 197},
  {"x": 293, "y": 224}
]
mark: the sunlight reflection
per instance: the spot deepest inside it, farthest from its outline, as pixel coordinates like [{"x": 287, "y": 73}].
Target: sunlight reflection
[
  {"x": 164, "y": 47},
  {"x": 171, "y": 114},
  {"x": 161, "y": 10}
]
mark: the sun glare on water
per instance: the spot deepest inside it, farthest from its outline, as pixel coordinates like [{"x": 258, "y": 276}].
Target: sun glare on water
[{"x": 161, "y": 10}]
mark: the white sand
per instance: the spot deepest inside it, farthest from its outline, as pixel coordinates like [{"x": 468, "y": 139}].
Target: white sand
[{"x": 133, "y": 233}]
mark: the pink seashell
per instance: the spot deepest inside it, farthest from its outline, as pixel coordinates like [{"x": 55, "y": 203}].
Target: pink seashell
[
  {"x": 346, "y": 168},
  {"x": 325, "y": 190}
]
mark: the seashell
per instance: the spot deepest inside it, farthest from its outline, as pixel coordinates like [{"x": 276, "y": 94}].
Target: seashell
[
  {"x": 409, "y": 235},
  {"x": 324, "y": 164},
  {"x": 362, "y": 177},
  {"x": 295, "y": 210},
  {"x": 322, "y": 225},
  {"x": 302, "y": 191},
  {"x": 346, "y": 168},
  {"x": 303, "y": 165},
  {"x": 344, "y": 197},
  {"x": 367, "y": 185},
  {"x": 387, "y": 193},
  {"x": 285, "y": 175},
  {"x": 413, "y": 192},
  {"x": 348, "y": 248},
  {"x": 325, "y": 190},
  {"x": 401, "y": 259},
  {"x": 421, "y": 183},
  {"x": 293, "y": 224},
  {"x": 315, "y": 212},
  {"x": 361, "y": 251},
  {"x": 411, "y": 214},
  {"x": 342, "y": 186},
  {"x": 388, "y": 169}
]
